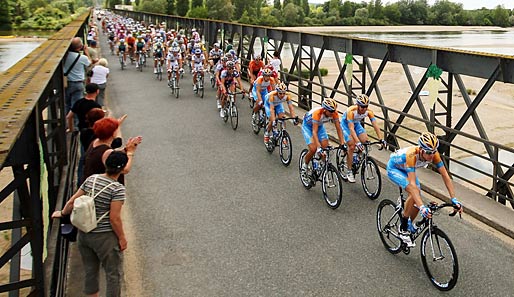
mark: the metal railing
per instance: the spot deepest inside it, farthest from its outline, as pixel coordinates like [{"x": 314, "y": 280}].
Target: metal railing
[
  {"x": 401, "y": 124},
  {"x": 34, "y": 145}
]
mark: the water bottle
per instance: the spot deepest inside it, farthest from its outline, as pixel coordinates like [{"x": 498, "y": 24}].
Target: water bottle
[
  {"x": 275, "y": 133},
  {"x": 315, "y": 164},
  {"x": 355, "y": 158}
]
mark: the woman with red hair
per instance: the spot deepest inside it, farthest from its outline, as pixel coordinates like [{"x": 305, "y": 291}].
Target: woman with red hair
[{"x": 106, "y": 131}]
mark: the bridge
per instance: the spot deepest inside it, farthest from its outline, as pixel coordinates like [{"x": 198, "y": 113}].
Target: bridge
[{"x": 210, "y": 213}]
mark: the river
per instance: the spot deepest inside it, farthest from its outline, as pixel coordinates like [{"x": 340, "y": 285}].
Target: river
[{"x": 13, "y": 50}]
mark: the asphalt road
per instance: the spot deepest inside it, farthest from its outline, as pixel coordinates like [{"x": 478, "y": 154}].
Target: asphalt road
[{"x": 212, "y": 213}]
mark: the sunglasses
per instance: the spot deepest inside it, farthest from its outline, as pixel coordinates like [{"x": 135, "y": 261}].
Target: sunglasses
[
  {"x": 281, "y": 93},
  {"x": 363, "y": 106},
  {"x": 429, "y": 152}
]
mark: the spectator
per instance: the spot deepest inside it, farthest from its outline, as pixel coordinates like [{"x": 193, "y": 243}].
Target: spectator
[
  {"x": 88, "y": 135},
  {"x": 76, "y": 74},
  {"x": 105, "y": 244},
  {"x": 275, "y": 62},
  {"x": 93, "y": 52},
  {"x": 229, "y": 45},
  {"x": 99, "y": 77},
  {"x": 106, "y": 131}
]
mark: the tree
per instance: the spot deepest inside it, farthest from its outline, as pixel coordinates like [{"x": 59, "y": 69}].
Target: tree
[
  {"x": 240, "y": 6},
  {"x": 196, "y": 3},
  {"x": 182, "y": 7},
  {"x": 362, "y": 13},
  {"x": 170, "y": 7},
  {"x": 392, "y": 13},
  {"x": 155, "y": 6},
  {"x": 500, "y": 16},
  {"x": 220, "y": 9},
  {"x": 5, "y": 16},
  {"x": 291, "y": 14},
  {"x": 277, "y": 5},
  {"x": 444, "y": 12},
  {"x": 127, "y": 2},
  {"x": 305, "y": 7},
  {"x": 198, "y": 12}
]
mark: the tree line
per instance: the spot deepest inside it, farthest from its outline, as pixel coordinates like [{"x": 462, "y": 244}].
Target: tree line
[
  {"x": 330, "y": 13},
  {"x": 39, "y": 14}
]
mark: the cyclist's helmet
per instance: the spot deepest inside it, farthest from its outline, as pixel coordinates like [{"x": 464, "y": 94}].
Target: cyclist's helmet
[
  {"x": 174, "y": 44},
  {"x": 196, "y": 46},
  {"x": 228, "y": 56},
  {"x": 176, "y": 50},
  {"x": 232, "y": 52},
  {"x": 267, "y": 72},
  {"x": 257, "y": 57},
  {"x": 230, "y": 64},
  {"x": 122, "y": 40},
  {"x": 329, "y": 104},
  {"x": 224, "y": 59},
  {"x": 198, "y": 51},
  {"x": 281, "y": 88},
  {"x": 139, "y": 37},
  {"x": 216, "y": 45},
  {"x": 158, "y": 44},
  {"x": 362, "y": 100},
  {"x": 428, "y": 142}
]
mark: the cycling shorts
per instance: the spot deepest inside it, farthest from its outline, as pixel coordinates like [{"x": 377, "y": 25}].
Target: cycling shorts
[
  {"x": 307, "y": 133},
  {"x": 264, "y": 92},
  {"x": 346, "y": 130},
  {"x": 398, "y": 176},
  {"x": 278, "y": 109}
]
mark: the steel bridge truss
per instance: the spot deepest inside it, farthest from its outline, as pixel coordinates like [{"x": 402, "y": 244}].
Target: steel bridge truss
[{"x": 33, "y": 145}]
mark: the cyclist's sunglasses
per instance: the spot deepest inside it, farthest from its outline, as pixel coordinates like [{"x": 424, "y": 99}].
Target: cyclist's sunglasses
[
  {"x": 281, "y": 93},
  {"x": 363, "y": 106},
  {"x": 429, "y": 152}
]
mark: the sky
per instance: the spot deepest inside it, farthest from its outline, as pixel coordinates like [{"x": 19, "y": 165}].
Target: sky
[{"x": 468, "y": 4}]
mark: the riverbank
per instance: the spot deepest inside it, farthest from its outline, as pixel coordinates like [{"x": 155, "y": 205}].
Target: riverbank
[{"x": 389, "y": 29}]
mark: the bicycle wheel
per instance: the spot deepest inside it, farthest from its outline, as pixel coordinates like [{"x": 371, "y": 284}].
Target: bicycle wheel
[
  {"x": 388, "y": 224},
  {"x": 201, "y": 88},
  {"x": 177, "y": 89},
  {"x": 442, "y": 266},
  {"x": 332, "y": 186},
  {"x": 213, "y": 82},
  {"x": 233, "y": 116},
  {"x": 270, "y": 145},
  {"x": 121, "y": 63},
  {"x": 141, "y": 62},
  {"x": 371, "y": 179},
  {"x": 341, "y": 156},
  {"x": 285, "y": 148},
  {"x": 305, "y": 178},
  {"x": 256, "y": 127},
  {"x": 225, "y": 118}
]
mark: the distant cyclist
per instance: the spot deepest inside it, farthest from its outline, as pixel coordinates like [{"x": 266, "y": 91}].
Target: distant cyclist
[
  {"x": 260, "y": 89},
  {"x": 401, "y": 170},
  {"x": 273, "y": 106},
  {"x": 229, "y": 79},
  {"x": 314, "y": 132},
  {"x": 354, "y": 133}
]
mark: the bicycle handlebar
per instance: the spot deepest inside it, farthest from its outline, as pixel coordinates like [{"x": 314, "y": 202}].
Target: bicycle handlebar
[
  {"x": 434, "y": 207},
  {"x": 369, "y": 143}
]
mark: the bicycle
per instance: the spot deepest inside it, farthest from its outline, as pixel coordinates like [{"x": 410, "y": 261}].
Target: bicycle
[
  {"x": 142, "y": 60},
  {"x": 173, "y": 83},
  {"x": 260, "y": 121},
  {"x": 434, "y": 242},
  {"x": 212, "y": 79},
  {"x": 324, "y": 171},
  {"x": 158, "y": 75},
  {"x": 199, "y": 89},
  {"x": 122, "y": 63},
  {"x": 371, "y": 179},
  {"x": 231, "y": 109},
  {"x": 281, "y": 138}
]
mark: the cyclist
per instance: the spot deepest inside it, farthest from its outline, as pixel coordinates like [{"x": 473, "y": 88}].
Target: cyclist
[
  {"x": 229, "y": 77},
  {"x": 260, "y": 89},
  {"x": 158, "y": 54},
  {"x": 401, "y": 170},
  {"x": 254, "y": 67},
  {"x": 273, "y": 106},
  {"x": 199, "y": 64},
  {"x": 174, "y": 63},
  {"x": 140, "y": 49},
  {"x": 217, "y": 74},
  {"x": 122, "y": 48},
  {"x": 313, "y": 129},
  {"x": 215, "y": 56},
  {"x": 354, "y": 133}
]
